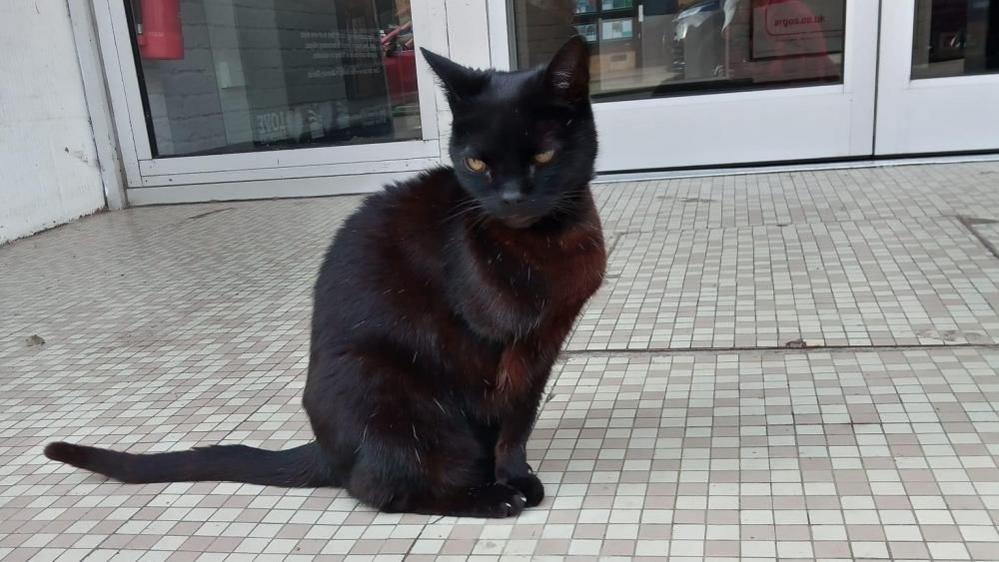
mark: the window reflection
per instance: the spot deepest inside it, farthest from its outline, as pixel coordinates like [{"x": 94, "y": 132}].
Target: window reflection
[
  {"x": 955, "y": 38},
  {"x": 648, "y": 48},
  {"x": 242, "y": 75}
]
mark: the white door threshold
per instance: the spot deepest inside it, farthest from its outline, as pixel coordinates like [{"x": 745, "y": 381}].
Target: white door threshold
[{"x": 648, "y": 175}]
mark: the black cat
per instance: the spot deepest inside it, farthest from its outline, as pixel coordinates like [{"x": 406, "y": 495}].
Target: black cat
[{"x": 439, "y": 310}]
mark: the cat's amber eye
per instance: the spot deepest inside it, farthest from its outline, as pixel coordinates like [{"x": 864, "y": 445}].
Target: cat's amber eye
[
  {"x": 544, "y": 157},
  {"x": 475, "y": 165}
]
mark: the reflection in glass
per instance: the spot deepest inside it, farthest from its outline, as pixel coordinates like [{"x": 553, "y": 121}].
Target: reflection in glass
[
  {"x": 224, "y": 76},
  {"x": 649, "y": 48},
  {"x": 955, "y": 38}
]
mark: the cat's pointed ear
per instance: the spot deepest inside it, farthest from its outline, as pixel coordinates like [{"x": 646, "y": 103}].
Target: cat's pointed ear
[
  {"x": 460, "y": 82},
  {"x": 568, "y": 74}
]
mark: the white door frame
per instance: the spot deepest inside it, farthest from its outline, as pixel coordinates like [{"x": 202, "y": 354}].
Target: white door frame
[
  {"x": 931, "y": 115},
  {"x": 826, "y": 121},
  {"x": 290, "y": 172},
  {"x": 911, "y": 117}
]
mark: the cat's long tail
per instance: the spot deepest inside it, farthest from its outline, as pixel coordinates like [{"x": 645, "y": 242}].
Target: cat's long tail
[{"x": 301, "y": 467}]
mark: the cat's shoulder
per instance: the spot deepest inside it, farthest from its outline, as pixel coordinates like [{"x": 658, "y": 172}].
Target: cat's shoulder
[
  {"x": 414, "y": 201},
  {"x": 429, "y": 183}
]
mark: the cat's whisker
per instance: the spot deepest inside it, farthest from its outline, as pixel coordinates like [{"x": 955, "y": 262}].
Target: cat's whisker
[
  {"x": 364, "y": 436},
  {"x": 466, "y": 205},
  {"x": 439, "y": 405},
  {"x": 463, "y": 209},
  {"x": 478, "y": 222}
]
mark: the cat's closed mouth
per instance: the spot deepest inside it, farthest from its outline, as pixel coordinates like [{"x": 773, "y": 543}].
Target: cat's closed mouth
[{"x": 519, "y": 221}]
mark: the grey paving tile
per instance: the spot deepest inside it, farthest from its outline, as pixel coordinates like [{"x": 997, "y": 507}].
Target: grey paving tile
[{"x": 847, "y": 283}]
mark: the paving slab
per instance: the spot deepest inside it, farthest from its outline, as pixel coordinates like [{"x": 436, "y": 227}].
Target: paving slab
[
  {"x": 843, "y": 283},
  {"x": 685, "y": 421}
]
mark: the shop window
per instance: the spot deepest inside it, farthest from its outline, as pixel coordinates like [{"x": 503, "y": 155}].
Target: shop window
[{"x": 222, "y": 76}]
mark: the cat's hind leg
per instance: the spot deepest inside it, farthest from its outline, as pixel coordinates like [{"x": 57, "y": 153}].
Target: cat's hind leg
[
  {"x": 448, "y": 474},
  {"x": 399, "y": 443}
]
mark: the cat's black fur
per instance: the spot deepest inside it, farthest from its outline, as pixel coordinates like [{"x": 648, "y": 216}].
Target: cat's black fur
[{"x": 439, "y": 310}]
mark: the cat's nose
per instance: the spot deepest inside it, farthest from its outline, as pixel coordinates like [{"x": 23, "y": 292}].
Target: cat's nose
[{"x": 512, "y": 196}]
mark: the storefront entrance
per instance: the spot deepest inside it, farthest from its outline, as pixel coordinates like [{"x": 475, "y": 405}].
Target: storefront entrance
[
  {"x": 235, "y": 99},
  {"x": 684, "y": 83},
  {"x": 219, "y": 99}
]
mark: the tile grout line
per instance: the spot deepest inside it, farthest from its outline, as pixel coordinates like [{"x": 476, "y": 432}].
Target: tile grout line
[
  {"x": 969, "y": 224},
  {"x": 790, "y": 223},
  {"x": 775, "y": 349}
]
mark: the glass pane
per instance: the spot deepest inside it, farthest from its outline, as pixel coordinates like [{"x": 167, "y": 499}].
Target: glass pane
[
  {"x": 650, "y": 48},
  {"x": 243, "y": 75},
  {"x": 955, "y": 38}
]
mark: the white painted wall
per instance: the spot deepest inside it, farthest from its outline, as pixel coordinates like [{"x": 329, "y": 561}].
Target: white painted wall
[{"x": 49, "y": 172}]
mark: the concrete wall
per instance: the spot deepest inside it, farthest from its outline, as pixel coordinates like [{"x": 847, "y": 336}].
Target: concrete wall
[{"x": 48, "y": 162}]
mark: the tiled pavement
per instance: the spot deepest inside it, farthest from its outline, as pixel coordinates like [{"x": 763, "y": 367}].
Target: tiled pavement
[{"x": 685, "y": 422}]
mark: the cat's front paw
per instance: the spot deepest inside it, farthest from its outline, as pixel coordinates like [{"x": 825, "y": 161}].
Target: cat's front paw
[
  {"x": 530, "y": 486},
  {"x": 498, "y": 500}
]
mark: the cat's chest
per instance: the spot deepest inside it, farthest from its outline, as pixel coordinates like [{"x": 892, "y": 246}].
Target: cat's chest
[
  {"x": 569, "y": 267},
  {"x": 504, "y": 284},
  {"x": 529, "y": 297}
]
